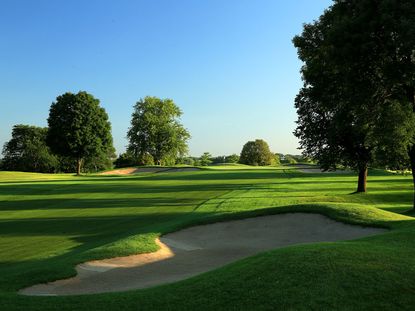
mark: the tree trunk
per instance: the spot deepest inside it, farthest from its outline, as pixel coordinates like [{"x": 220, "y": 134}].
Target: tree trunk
[
  {"x": 411, "y": 94},
  {"x": 412, "y": 158},
  {"x": 361, "y": 183},
  {"x": 78, "y": 167}
]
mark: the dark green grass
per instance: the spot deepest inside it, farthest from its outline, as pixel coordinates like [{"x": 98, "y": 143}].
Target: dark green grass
[{"x": 49, "y": 223}]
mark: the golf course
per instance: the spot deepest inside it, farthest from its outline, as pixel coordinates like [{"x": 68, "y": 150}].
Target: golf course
[
  {"x": 207, "y": 155},
  {"x": 50, "y": 223}
]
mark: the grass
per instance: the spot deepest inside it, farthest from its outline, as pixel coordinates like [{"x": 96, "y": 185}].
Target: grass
[{"x": 49, "y": 223}]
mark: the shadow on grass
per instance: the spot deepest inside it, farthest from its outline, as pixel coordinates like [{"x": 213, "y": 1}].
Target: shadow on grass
[{"x": 95, "y": 232}]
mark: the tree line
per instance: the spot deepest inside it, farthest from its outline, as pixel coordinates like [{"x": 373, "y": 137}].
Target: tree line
[
  {"x": 357, "y": 104},
  {"x": 78, "y": 139}
]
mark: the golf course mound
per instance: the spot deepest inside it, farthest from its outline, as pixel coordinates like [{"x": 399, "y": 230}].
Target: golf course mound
[
  {"x": 133, "y": 170},
  {"x": 199, "y": 249}
]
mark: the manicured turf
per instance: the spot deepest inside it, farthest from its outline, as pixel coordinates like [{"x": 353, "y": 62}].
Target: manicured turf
[{"x": 49, "y": 223}]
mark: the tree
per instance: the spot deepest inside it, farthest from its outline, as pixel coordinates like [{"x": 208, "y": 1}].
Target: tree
[
  {"x": 218, "y": 160},
  {"x": 392, "y": 36},
  {"x": 186, "y": 161},
  {"x": 276, "y": 159},
  {"x": 156, "y": 131},
  {"x": 205, "y": 159},
  {"x": 335, "y": 107},
  {"x": 256, "y": 153},
  {"x": 356, "y": 106},
  {"x": 100, "y": 162},
  {"x": 125, "y": 159},
  {"x": 79, "y": 128},
  {"x": 233, "y": 158},
  {"x": 27, "y": 151}
]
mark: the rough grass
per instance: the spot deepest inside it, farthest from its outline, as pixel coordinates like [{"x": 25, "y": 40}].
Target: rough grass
[{"x": 49, "y": 223}]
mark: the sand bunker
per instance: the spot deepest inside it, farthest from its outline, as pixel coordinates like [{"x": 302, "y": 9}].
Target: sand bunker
[
  {"x": 199, "y": 249},
  {"x": 121, "y": 171},
  {"x": 132, "y": 170}
]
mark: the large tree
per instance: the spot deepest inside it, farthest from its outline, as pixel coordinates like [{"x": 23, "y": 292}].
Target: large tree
[
  {"x": 79, "y": 128},
  {"x": 27, "y": 151},
  {"x": 156, "y": 131},
  {"x": 256, "y": 153},
  {"x": 346, "y": 114},
  {"x": 392, "y": 34}
]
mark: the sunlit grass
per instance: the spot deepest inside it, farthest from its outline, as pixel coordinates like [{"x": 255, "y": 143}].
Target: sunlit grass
[{"x": 49, "y": 223}]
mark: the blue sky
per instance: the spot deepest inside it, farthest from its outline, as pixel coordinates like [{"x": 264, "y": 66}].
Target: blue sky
[{"x": 229, "y": 64}]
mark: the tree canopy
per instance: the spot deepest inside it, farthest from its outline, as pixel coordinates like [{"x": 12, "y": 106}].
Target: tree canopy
[
  {"x": 79, "y": 128},
  {"x": 256, "y": 153},
  {"x": 346, "y": 112},
  {"x": 27, "y": 151},
  {"x": 156, "y": 131},
  {"x": 205, "y": 159},
  {"x": 233, "y": 158}
]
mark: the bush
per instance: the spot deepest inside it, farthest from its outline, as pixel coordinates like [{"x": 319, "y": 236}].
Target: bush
[
  {"x": 233, "y": 158},
  {"x": 256, "y": 153}
]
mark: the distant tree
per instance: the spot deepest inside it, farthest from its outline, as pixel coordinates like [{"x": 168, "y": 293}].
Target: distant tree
[
  {"x": 218, "y": 160},
  {"x": 100, "y": 162},
  {"x": 233, "y": 158},
  {"x": 126, "y": 159},
  {"x": 205, "y": 159},
  {"x": 27, "y": 151},
  {"x": 185, "y": 161},
  {"x": 156, "y": 131},
  {"x": 286, "y": 158},
  {"x": 256, "y": 153},
  {"x": 189, "y": 161},
  {"x": 79, "y": 128},
  {"x": 276, "y": 159}
]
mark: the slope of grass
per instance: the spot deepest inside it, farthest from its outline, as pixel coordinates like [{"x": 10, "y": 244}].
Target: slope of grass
[{"x": 49, "y": 223}]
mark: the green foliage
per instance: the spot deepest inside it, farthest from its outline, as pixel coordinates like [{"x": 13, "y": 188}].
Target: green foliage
[
  {"x": 27, "y": 151},
  {"x": 205, "y": 159},
  {"x": 356, "y": 105},
  {"x": 276, "y": 161},
  {"x": 395, "y": 135},
  {"x": 100, "y": 162},
  {"x": 156, "y": 131},
  {"x": 290, "y": 159},
  {"x": 233, "y": 158},
  {"x": 256, "y": 153},
  {"x": 125, "y": 159},
  {"x": 79, "y": 129},
  {"x": 218, "y": 160},
  {"x": 186, "y": 161},
  {"x": 335, "y": 119},
  {"x": 147, "y": 159}
]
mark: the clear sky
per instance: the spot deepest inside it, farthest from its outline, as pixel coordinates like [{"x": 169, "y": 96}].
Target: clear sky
[{"x": 228, "y": 64}]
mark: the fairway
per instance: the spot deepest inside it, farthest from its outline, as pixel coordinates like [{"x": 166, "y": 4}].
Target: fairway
[{"x": 51, "y": 223}]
